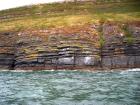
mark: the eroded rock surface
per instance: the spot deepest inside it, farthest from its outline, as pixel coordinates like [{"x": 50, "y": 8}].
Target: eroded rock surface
[
  {"x": 118, "y": 52},
  {"x": 7, "y": 50},
  {"x": 56, "y": 49}
]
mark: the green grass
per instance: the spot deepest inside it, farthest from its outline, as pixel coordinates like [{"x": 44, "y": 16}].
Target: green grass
[{"x": 70, "y": 14}]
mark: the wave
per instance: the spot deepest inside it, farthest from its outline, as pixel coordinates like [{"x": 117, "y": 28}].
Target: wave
[
  {"x": 21, "y": 70},
  {"x": 122, "y": 71},
  {"x": 130, "y": 70},
  {"x": 135, "y": 69},
  {"x": 4, "y": 70}
]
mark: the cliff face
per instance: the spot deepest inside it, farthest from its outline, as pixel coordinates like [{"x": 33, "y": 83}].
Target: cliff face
[
  {"x": 119, "y": 50},
  {"x": 76, "y": 48},
  {"x": 7, "y": 43}
]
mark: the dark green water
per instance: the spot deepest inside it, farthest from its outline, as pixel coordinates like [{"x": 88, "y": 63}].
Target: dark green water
[{"x": 70, "y": 88}]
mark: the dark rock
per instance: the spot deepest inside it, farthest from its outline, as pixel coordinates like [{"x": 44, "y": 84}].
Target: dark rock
[{"x": 26, "y": 50}]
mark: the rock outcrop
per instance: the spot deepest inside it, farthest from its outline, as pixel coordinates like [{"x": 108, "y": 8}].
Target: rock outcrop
[
  {"x": 119, "y": 50},
  {"x": 77, "y": 49},
  {"x": 7, "y": 49}
]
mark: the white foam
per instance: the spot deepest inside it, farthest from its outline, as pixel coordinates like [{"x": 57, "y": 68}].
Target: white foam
[
  {"x": 21, "y": 70},
  {"x": 48, "y": 70},
  {"x": 4, "y": 70},
  {"x": 130, "y": 70},
  {"x": 136, "y": 69}
]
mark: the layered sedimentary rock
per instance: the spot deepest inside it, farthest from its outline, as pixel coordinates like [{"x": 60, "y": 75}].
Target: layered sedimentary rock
[
  {"x": 7, "y": 42},
  {"x": 55, "y": 51},
  {"x": 78, "y": 49},
  {"x": 119, "y": 51}
]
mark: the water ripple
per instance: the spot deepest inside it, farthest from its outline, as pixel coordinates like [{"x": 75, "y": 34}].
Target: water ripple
[{"x": 70, "y": 88}]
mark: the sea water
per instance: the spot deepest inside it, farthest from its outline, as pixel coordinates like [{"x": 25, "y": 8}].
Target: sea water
[{"x": 70, "y": 88}]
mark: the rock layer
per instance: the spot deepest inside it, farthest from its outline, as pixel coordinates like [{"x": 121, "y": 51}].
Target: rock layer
[
  {"x": 118, "y": 51},
  {"x": 49, "y": 49}
]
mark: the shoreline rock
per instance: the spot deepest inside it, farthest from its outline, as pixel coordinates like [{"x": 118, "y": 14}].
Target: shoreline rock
[{"x": 60, "y": 49}]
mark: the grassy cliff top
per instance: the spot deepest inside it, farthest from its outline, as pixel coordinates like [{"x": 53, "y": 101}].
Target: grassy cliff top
[{"x": 69, "y": 14}]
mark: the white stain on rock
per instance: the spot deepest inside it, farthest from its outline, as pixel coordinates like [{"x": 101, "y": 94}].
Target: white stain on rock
[
  {"x": 68, "y": 60},
  {"x": 87, "y": 60}
]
